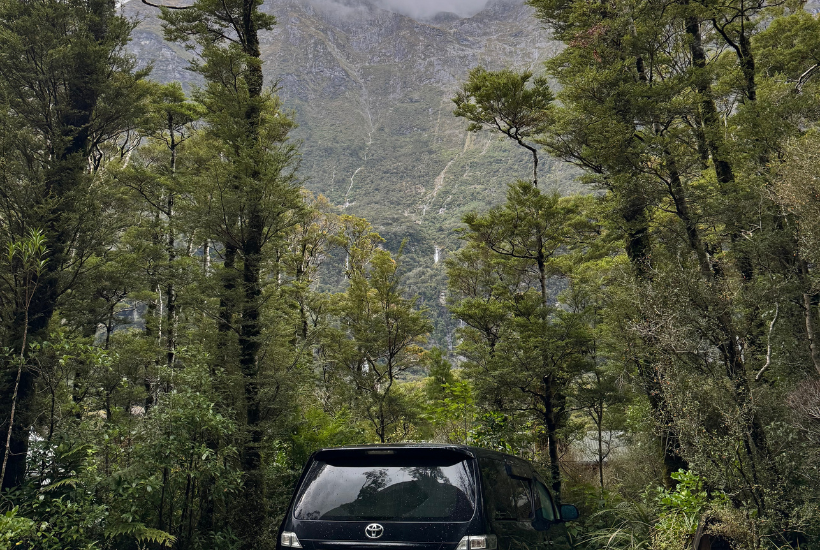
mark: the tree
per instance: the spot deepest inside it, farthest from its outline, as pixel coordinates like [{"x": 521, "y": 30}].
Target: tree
[
  {"x": 450, "y": 400},
  {"x": 503, "y": 101},
  {"x": 253, "y": 190},
  {"x": 669, "y": 109},
  {"x": 379, "y": 335},
  {"x": 26, "y": 266},
  {"x": 155, "y": 180},
  {"x": 439, "y": 373},
  {"x": 599, "y": 391},
  {"x": 65, "y": 97},
  {"x": 523, "y": 350},
  {"x": 307, "y": 248}
]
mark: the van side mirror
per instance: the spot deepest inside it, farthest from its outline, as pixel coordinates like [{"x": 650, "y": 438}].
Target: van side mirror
[{"x": 569, "y": 512}]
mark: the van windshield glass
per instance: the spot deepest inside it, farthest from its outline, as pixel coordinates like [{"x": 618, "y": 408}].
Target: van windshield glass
[{"x": 397, "y": 490}]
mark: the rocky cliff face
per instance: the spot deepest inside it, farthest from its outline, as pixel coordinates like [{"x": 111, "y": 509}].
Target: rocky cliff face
[{"x": 371, "y": 92}]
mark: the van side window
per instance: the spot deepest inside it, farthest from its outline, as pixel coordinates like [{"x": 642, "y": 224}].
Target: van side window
[
  {"x": 507, "y": 498},
  {"x": 543, "y": 503},
  {"x": 497, "y": 490},
  {"x": 521, "y": 494}
]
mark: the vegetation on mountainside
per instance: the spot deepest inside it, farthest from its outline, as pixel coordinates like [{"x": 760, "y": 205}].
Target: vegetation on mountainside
[
  {"x": 175, "y": 343},
  {"x": 370, "y": 91}
]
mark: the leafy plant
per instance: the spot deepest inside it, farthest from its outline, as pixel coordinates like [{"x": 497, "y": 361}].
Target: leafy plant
[
  {"x": 14, "y": 530},
  {"x": 681, "y": 509}
]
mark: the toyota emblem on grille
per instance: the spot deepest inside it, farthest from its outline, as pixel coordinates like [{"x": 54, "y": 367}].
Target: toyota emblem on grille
[{"x": 374, "y": 531}]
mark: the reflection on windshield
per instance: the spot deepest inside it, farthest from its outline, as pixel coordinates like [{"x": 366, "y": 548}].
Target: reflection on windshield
[{"x": 365, "y": 493}]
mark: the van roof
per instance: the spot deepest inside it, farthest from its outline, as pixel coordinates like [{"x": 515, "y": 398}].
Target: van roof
[{"x": 466, "y": 450}]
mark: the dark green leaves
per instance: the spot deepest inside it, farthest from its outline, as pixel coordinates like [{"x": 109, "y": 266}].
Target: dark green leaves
[{"x": 513, "y": 103}]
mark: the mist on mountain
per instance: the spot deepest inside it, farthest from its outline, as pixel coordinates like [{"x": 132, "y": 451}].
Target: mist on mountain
[
  {"x": 423, "y": 9},
  {"x": 416, "y": 9}
]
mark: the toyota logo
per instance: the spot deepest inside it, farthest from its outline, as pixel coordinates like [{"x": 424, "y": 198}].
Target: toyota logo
[{"x": 374, "y": 531}]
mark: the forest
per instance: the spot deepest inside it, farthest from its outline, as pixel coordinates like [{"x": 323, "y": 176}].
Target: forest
[{"x": 182, "y": 324}]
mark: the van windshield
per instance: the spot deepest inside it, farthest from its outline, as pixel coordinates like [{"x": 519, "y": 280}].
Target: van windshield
[{"x": 387, "y": 489}]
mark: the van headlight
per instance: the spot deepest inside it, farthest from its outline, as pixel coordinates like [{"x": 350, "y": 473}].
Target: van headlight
[
  {"x": 289, "y": 540},
  {"x": 478, "y": 542}
]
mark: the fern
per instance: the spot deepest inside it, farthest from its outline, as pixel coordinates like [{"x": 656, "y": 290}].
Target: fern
[
  {"x": 61, "y": 483},
  {"x": 140, "y": 533},
  {"x": 149, "y": 534}
]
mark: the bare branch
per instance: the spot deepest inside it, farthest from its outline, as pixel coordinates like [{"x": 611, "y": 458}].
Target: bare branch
[
  {"x": 769, "y": 344},
  {"x": 805, "y": 77}
]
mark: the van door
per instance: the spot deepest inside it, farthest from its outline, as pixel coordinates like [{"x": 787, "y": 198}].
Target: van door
[
  {"x": 554, "y": 531},
  {"x": 508, "y": 504}
]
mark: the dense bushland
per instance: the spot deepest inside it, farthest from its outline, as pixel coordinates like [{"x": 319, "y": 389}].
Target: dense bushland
[{"x": 182, "y": 324}]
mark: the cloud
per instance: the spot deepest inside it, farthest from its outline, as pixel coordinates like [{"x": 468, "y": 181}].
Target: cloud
[
  {"x": 417, "y": 9},
  {"x": 422, "y": 9}
]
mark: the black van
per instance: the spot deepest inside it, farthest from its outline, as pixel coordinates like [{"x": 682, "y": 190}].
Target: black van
[{"x": 422, "y": 497}]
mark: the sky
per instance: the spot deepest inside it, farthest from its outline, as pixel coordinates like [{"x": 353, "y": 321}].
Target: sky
[{"x": 421, "y": 9}]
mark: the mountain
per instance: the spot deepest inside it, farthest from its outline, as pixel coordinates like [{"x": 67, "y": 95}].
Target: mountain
[{"x": 371, "y": 91}]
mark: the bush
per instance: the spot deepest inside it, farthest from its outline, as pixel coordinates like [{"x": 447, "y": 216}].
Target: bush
[
  {"x": 14, "y": 530},
  {"x": 681, "y": 510}
]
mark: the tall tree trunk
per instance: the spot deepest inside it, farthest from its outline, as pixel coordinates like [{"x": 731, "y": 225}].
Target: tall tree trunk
[
  {"x": 249, "y": 343},
  {"x": 681, "y": 202},
  {"x": 668, "y": 440},
  {"x": 551, "y": 423},
  {"x": 171, "y": 312},
  {"x": 755, "y": 445},
  {"x": 170, "y": 289},
  {"x": 638, "y": 249},
  {"x": 712, "y": 132},
  {"x": 551, "y": 418},
  {"x": 301, "y": 275},
  {"x": 249, "y": 337},
  {"x": 639, "y": 252},
  {"x": 227, "y": 302},
  {"x": 382, "y": 429},
  {"x": 747, "y": 64},
  {"x": 754, "y": 438},
  {"x": 599, "y": 423}
]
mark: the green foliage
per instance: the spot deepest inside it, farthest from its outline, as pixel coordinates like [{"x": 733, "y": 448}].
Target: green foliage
[
  {"x": 141, "y": 533},
  {"x": 318, "y": 430},
  {"x": 210, "y": 21},
  {"x": 659, "y": 518},
  {"x": 67, "y": 522},
  {"x": 493, "y": 431},
  {"x": 505, "y": 101},
  {"x": 450, "y": 401},
  {"x": 439, "y": 372},
  {"x": 681, "y": 510},
  {"x": 15, "y": 530},
  {"x": 701, "y": 227},
  {"x": 30, "y": 252},
  {"x": 67, "y": 106},
  {"x": 628, "y": 526},
  {"x": 378, "y": 338},
  {"x": 191, "y": 346},
  {"x": 524, "y": 349},
  {"x": 65, "y": 514},
  {"x": 688, "y": 497}
]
